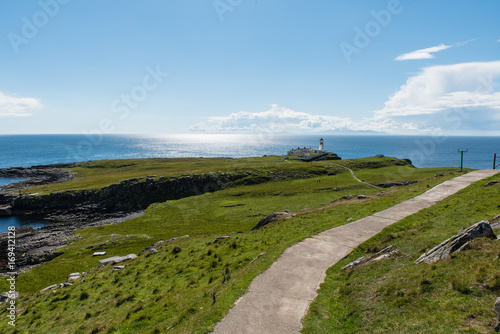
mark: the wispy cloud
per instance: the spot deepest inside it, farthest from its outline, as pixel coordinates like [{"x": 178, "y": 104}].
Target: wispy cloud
[
  {"x": 428, "y": 53},
  {"x": 11, "y": 106},
  {"x": 423, "y": 53}
]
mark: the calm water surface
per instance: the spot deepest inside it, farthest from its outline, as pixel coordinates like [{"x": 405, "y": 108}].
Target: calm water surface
[
  {"x": 31, "y": 150},
  {"x": 5, "y": 222}
]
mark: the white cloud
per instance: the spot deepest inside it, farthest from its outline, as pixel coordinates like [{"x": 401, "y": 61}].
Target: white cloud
[
  {"x": 428, "y": 52},
  {"x": 454, "y": 96},
  {"x": 442, "y": 87},
  {"x": 423, "y": 53},
  {"x": 279, "y": 119},
  {"x": 11, "y": 106},
  {"x": 276, "y": 119}
]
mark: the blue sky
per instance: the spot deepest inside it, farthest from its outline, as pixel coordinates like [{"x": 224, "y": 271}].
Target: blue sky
[{"x": 225, "y": 66}]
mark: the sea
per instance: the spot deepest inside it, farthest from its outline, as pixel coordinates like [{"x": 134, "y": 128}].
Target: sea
[{"x": 423, "y": 151}]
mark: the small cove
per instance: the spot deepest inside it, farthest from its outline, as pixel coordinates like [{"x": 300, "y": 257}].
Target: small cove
[
  {"x": 8, "y": 180},
  {"x": 5, "y": 222}
]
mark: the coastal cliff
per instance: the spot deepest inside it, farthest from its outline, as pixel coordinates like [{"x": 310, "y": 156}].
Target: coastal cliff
[{"x": 117, "y": 199}]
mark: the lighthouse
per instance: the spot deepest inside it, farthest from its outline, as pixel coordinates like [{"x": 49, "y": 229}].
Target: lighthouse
[{"x": 321, "y": 146}]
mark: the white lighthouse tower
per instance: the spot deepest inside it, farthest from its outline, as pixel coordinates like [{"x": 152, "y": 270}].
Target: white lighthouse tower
[{"x": 321, "y": 145}]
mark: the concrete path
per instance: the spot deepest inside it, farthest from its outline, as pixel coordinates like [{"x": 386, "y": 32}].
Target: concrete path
[{"x": 278, "y": 299}]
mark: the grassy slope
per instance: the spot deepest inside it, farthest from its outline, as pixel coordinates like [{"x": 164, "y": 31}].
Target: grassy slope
[
  {"x": 99, "y": 174},
  {"x": 399, "y": 296},
  {"x": 172, "y": 288}
]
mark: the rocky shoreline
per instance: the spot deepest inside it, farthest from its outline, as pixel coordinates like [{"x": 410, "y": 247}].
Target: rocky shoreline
[
  {"x": 36, "y": 175},
  {"x": 73, "y": 210},
  {"x": 34, "y": 247}
]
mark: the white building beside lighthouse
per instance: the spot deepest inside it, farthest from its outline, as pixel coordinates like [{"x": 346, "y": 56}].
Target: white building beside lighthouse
[{"x": 307, "y": 152}]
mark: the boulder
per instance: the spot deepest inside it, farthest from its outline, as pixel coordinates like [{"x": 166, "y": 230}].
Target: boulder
[
  {"x": 269, "y": 219},
  {"x": 355, "y": 263},
  {"x": 99, "y": 254},
  {"x": 73, "y": 276},
  {"x": 385, "y": 253},
  {"x": 116, "y": 259},
  {"x": 50, "y": 287},
  {"x": 458, "y": 242},
  {"x": 153, "y": 251}
]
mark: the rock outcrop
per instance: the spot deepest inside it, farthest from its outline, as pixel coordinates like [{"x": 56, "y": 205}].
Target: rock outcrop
[
  {"x": 364, "y": 260},
  {"x": 497, "y": 311},
  {"x": 37, "y": 175},
  {"x": 457, "y": 242},
  {"x": 117, "y": 259},
  {"x": 269, "y": 219},
  {"x": 117, "y": 199}
]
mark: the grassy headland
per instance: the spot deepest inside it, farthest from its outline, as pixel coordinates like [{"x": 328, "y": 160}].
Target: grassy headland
[{"x": 170, "y": 291}]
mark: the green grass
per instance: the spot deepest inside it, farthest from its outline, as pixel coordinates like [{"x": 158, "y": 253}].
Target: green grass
[
  {"x": 99, "y": 174},
  {"x": 170, "y": 291},
  {"x": 399, "y": 296}
]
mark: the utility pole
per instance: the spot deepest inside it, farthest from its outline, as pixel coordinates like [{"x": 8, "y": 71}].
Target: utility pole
[
  {"x": 494, "y": 161},
  {"x": 462, "y": 158}
]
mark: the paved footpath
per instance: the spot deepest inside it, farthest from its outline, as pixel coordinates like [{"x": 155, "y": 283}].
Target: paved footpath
[{"x": 278, "y": 299}]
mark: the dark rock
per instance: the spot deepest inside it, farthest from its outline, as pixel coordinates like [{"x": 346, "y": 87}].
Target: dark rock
[
  {"x": 458, "y": 242},
  {"x": 398, "y": 184},
  {"x": 7, "y": 296},
  {"x": 269, "y": 219},
  {"x": 497, "y": 311},
  {"x": 220, "y": 238},
  {"x": 117, "y": 199},
  {"x": 492, "y": 183},
  {"x": 37, "y": 175},
  {"x": 361, "y": 196}
]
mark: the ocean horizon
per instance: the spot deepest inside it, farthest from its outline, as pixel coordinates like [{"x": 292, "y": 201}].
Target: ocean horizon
[{"x": 423, "y": 151}]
